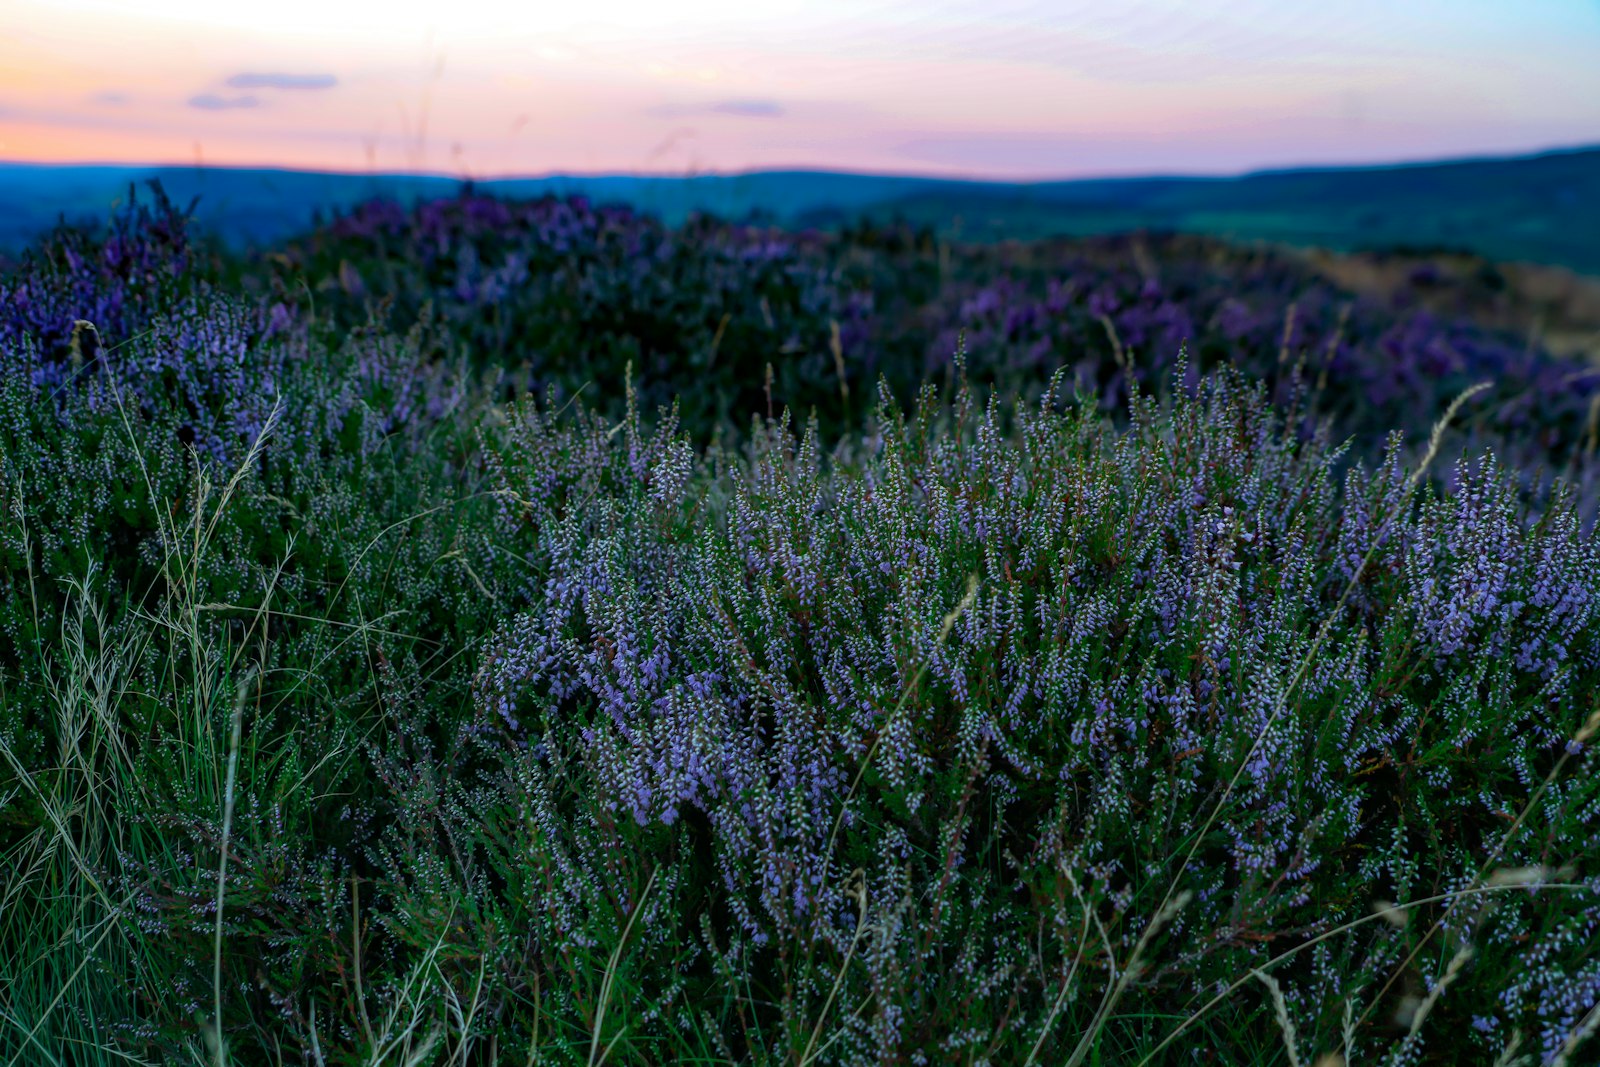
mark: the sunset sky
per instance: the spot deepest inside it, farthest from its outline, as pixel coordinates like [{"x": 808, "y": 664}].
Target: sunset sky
[{"x": 984, "y": 88}]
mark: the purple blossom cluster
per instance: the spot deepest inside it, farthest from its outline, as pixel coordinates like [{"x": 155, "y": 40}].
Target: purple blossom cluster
[
  {"x": 572, "y": 295},
  {"x": 120, "y": 279},
  {"x": 764, "y": 694},
  {"x": 1107, "y": 314}
]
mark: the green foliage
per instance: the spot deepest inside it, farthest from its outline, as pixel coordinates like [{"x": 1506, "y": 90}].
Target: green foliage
[{"x": 355, "y": 708}]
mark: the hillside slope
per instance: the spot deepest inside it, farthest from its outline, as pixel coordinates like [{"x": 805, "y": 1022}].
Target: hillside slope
[{"x": 1537, "y": 209}]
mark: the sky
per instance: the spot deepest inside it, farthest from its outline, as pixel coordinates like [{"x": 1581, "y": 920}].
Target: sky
[{"x": 1018, "y": 89}]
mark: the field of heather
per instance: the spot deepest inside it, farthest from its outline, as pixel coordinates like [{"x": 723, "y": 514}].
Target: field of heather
[{"x": 522, "y": 632}]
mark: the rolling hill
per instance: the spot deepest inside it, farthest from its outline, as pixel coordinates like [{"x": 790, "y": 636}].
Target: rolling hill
[{"x": 1542, "y": 209}]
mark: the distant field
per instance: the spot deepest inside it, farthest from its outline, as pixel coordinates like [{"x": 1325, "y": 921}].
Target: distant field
[{"x": 1537, "y": 209}]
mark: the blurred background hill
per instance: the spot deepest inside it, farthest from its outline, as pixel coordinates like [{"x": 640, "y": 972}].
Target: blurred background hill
[{"x": 1542, "y": 209}]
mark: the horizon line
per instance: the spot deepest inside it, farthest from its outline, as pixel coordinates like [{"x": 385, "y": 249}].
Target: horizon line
[{"x": 953, "y": 177}]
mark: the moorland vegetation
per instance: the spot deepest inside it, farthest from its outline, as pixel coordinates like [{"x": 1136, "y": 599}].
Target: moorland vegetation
[{"x": 522, "y": 632}]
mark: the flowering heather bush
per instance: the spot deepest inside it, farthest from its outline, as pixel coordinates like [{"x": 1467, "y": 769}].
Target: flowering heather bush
[
  {"x": 891, "y": 730},
  {"x": 120, "y": 279},
  {"x": 151, "y": 563},
  {"x": 1104, "y": 310},
  {"x": 577, "y": 294}
]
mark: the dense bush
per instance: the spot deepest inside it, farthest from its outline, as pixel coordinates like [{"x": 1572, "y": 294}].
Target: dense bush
[
  {"x": 1373, "y": 365},
  {"x": 151, "y": 558},
  {"x": 576, "y": 295},
  {"x": 826, "y": 744},
  {"x": 119, "y": 280},
  {"x": 358, "y": 713}
]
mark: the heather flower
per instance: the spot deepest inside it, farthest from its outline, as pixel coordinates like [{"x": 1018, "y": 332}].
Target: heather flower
[{"x": 778, "y": 680}]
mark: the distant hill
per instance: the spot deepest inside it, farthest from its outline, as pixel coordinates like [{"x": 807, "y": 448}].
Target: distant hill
[{"x": 1542, "y": 208}]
